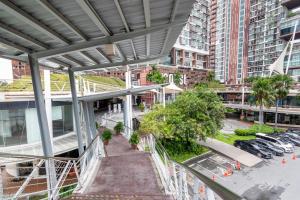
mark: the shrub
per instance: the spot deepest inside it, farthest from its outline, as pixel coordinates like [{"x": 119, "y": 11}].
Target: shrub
[
  {"x": 134, "y": 139},
  {"x": 119, "y": 127},
  {"x": 244, "y": 132},
  {"x": 106, "y": 135},
  {"x": 97, "y": 125},
  {"x": 142, "y": 107},
  {"x": 256, "y": 128}
]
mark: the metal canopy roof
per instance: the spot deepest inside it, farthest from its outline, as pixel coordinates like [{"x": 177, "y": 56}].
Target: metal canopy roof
[{"x": 90, "y": 34}]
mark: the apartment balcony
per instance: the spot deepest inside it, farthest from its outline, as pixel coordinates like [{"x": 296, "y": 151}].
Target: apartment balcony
[
  {"x": 287, "y": 29},
  {"x": 290, "y": 4}
]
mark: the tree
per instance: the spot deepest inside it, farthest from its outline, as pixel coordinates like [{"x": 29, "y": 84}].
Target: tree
[
  {"x": 210, "y": 76},
  {"x": 195, "y": 114},
  {"x": 282, "y": 83},
  {"x": 177, "y": 78},
  {"x": 155, "y": 76},
  {"x": 263, "y": 92}
]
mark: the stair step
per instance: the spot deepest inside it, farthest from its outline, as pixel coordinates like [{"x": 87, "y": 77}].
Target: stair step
[{"x": 119, "y": 197}]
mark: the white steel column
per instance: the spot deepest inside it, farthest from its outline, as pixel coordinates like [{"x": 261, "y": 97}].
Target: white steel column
[
  {"x": 291, "y": 48},
  {"x": 164, "y": 96},
  {"x": 43, "y": 122},
  {"x": 92, "y": 118},
  {"x": 76, "y": 111},
  {"x": 128, "y": 102},
  {"x": 89, "y": 134},
  {"x": 48, "y": 103}
]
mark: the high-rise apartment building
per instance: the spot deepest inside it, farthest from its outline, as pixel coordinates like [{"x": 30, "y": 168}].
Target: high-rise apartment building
[
  {"x": 229, "y": 39},
  {"x": 265, "y": 44},
  {"x": 191, "y": 47}
]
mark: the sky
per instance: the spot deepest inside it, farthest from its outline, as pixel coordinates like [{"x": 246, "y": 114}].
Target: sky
[{"x": 5, "y": 70}]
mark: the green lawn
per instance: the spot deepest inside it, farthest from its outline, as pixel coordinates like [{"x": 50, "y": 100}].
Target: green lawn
[
  {"x": 186, "y": 155},
  {"x": 230, "y": 138},
  {"x": 60, "y": 82}
]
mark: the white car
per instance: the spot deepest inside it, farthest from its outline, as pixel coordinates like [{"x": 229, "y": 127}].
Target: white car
[{"x": 287, "y": 147}]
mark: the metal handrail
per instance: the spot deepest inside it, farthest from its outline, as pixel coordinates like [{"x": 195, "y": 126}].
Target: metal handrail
[{"x": 220, "y": 190}]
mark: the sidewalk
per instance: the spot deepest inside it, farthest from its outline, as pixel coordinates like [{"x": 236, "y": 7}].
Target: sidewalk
[{"x": 232, "y": 152}]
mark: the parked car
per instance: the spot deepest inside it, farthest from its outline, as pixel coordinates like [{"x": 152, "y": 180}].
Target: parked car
[
  {"x": 277, "y": 151},
  {"x": 275, "y": 140},
  {"x": 253, "y": 149},
  {"x": 293, "y": 135},
  {"x": 290, "y": 139}
]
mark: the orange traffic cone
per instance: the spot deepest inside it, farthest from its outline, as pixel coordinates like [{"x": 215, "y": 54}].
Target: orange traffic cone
[
  {"x": 293, "y": 157},
  {"x": 201, "y": 190},
  {"x": 283, "y": 162},
  {"x": 229, "y": 171},
  {"x": 225, "y": 173},
  {"x": 238, "y": 165}
]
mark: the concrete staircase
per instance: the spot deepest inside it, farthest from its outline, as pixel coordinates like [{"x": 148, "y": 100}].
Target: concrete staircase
[{"x": 119, "y": 197}]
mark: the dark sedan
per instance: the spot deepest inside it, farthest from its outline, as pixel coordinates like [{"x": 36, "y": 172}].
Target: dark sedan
[
  {"x": 253, "y": 149},
  {"x": 269, "y": 146}
]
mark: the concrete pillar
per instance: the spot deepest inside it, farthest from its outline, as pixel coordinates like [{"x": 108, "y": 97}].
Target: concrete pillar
[
  {"x": 43, "y": 122},
  {"x": 164, "y": 97},
  {"x": 76, "y": 111}
]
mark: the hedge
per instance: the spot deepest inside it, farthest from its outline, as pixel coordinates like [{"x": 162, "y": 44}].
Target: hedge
[{"x": 256, "y": 128}]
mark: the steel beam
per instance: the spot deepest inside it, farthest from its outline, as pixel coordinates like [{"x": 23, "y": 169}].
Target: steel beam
[
  {"x": 94, "y": 16},
  {"x": 21, "y": 35},
  {"x": 32, "y": 21},
  {"x": 89, "y": 57},
  {"x": 104, "y": 40},
  {"x": 131, "y": 62},
  {"x": 76, "y": 111},
  {"x": 43, "y": 122},
  {"x": 40, "y": 106},
  {"x": 103, "y": 55},
  {"x": 73, "y": 60},
  {"x": 15, "y": 46},
  {"x": 146, "y": 5},
  {"x": 50, "y": 8},
  {"x": 172, "y": 19}
]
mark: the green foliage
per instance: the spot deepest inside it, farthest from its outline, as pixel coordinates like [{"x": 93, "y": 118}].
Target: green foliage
[
  {"x": 155, "y": 76},
  {"x": 134, "y": 139},
  {"x": 231, "y": 138},
  {"x": 178, "y": 150},
  {"x": 194, "y": 114},
  {"x": 263, "y": 91},
  {"x": 291, "y": 14},
  {"x": 119, "y": 127},
  {"x": 229, "y": 110},
  {"x": 177, "y": 77},
  {"x": 257, "y": 128},
  {"x": 106, "y": 135},
  {"x": 244, "y": 132},
  {"x": 210, "y": 76},
  {"x": 97, "y": 125},
  {"x": 141, "y": 107},
  {"x": 58, "y": 82},
  {"x": 282, "y": 83}
]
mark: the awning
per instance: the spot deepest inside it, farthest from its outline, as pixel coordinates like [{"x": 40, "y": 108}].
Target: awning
[
  {"x": 172, "y": 88},
  {"x": 90, "y": 34}
]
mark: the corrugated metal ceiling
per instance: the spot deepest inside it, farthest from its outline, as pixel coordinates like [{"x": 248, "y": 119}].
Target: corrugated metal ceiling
[{"x": 31, "y": 26}]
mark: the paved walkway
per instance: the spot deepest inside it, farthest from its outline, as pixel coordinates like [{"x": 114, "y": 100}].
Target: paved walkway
[
  {"x": 232, "y": 152},
  {"x": 124, "y": 174},
  {"x": 231, "y": 124}
]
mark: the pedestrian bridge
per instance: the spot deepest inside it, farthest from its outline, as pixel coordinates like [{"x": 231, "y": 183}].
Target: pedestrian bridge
[{"x": 114, "y": 171}]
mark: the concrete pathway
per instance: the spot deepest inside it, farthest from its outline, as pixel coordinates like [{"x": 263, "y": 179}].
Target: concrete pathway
[
  {"x": 231, "y": 124},
  {"x": 232, "y": 152},
  {"x": 124, "y": 174}
]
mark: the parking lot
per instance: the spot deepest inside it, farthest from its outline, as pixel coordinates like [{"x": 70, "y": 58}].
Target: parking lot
[{"x": 272, "y": 179}]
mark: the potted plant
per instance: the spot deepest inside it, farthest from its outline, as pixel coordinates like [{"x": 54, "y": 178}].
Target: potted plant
[
  {"x": 141, "y": 107},
  {"x": 106, "y": 136},
  {"x": 134, "y": 140},
  {"x": 119, "y": 127}
]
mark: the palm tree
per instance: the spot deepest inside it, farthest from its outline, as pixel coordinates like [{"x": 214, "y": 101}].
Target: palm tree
[
  {"x": 282, "y": 83},
  {"x": 263, "y": 92}
]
